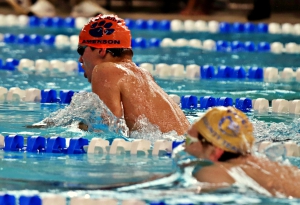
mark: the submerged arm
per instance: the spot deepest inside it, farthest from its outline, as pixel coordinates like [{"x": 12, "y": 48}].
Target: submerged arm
[{"x": 215, "y": 176}]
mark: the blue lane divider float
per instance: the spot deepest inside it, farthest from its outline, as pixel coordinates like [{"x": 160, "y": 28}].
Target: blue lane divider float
[
  {"x": 41, "y": 144},
  {"x": 50, "y": 96},
  {"x": 55, "y": 22},
  {"x": 191, "y": 102},
  {"x": 36, "y": 143},
  {"x": 56, "y": 145},
  {"x": 139, "y": 42},
  {"x": 237, "y": 27},
  {"x": 76, "y": 145},
  {"x": 13, "y": 142},
  {"x": 207, "y": 72},
  {"x": 243, "y": 104},
  {"x": 7, "y": 199},
  {"x": 162, "y": 25},
  {"x": 30, "y": 200}
]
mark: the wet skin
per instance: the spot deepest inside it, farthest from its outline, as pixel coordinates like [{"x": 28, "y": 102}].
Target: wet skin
[{"x": 131, "y": 92}]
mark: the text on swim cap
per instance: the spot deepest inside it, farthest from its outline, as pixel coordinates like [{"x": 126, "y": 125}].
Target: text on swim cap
[
  {"x": 219, "y": 138},
  {"x": 101, "y": 41}
]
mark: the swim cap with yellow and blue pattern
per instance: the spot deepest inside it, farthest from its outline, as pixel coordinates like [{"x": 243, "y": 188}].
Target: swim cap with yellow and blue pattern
[{"x": 227, "y": 128}]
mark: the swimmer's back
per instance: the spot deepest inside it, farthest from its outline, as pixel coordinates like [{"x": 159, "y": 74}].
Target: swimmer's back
[
  {"x": 142, "y": 97},
  {"x": 274, "y": 177}
]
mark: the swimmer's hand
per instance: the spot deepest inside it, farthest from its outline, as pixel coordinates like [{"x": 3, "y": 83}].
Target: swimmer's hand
[
  {"x": 38, "y": 125},
  {"x": 83, "y": 126}
]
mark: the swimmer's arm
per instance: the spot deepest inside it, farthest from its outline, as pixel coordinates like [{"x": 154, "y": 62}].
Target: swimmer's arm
[
  {"x": 215, "y": 176},
  {"x": 105, "y": 85}
]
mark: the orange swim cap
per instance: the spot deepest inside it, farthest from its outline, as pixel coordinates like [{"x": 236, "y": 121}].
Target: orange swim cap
[{"x": 105, "y": 31}]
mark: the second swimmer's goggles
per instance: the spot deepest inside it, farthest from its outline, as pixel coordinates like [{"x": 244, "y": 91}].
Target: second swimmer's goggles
[{"x": 189, "y": 139}]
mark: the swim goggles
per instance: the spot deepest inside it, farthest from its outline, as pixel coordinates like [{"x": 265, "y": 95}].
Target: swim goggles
[
  {"x": 81, "y": 49},
  {"x": 189, "y": 139}
]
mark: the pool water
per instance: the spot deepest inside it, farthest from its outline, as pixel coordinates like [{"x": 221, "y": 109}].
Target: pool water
[{"x": 78, "y": 175}]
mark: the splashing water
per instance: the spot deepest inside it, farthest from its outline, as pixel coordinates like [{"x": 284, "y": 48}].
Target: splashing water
[
  {"x": 277, "y": 131},
  {"x": 151, "y": 132},
  {"x": 89, "y": 109}
]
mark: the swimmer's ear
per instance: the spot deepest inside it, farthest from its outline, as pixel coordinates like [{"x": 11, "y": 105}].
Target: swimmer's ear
[
  {"x": 216, "y": 154},
  {"x": 102, "y": 52}
]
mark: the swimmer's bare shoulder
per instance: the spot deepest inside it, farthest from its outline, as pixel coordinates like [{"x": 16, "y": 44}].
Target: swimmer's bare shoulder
[
  {"x": 215, "y": 173},
  {"x": 109, "y": 68}
]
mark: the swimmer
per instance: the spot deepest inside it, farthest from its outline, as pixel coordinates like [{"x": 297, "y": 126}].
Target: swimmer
[
  {"x": 41, "y": 8},
  {"x": 224, "y": 135},
  {"x": 128, "y": 91}
]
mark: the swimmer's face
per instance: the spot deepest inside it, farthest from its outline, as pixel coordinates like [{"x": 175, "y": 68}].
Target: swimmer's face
[
  {"x": 196, "y": 147},
  {"x": 87, "y": 59}
]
